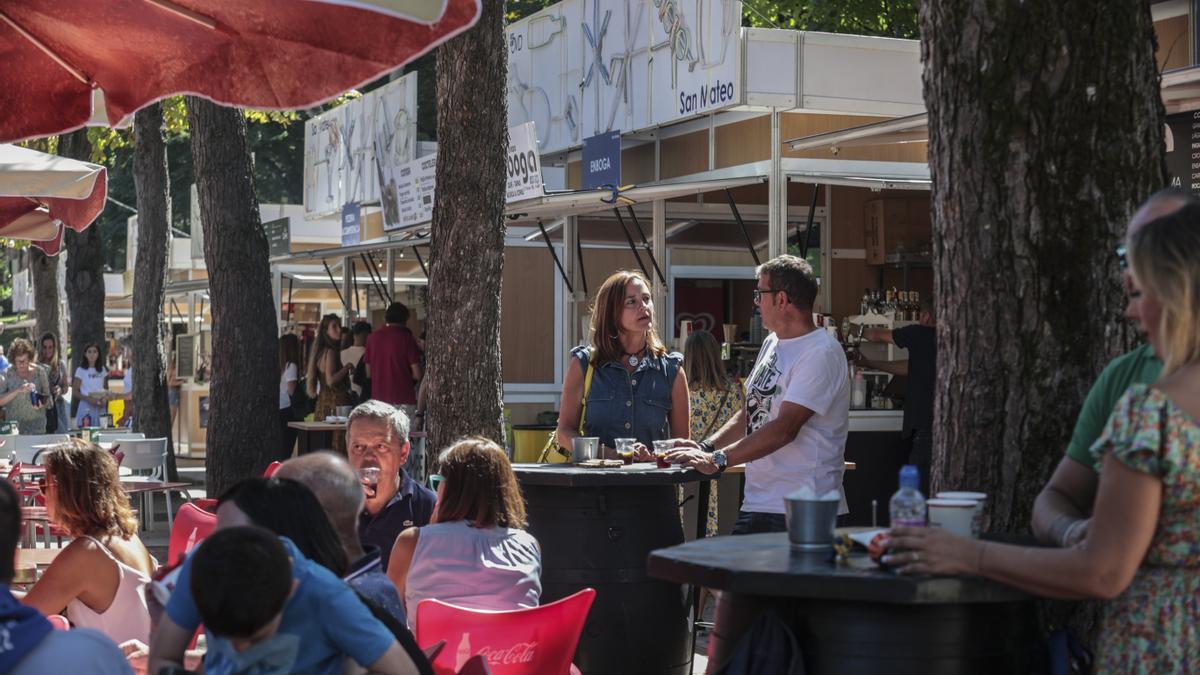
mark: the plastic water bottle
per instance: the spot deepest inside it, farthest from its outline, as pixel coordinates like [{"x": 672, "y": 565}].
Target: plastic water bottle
[{"x": 908, "y": 505}]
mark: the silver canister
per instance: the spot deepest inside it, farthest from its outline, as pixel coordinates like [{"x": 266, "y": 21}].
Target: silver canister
[
  {"x": 584, "y": 448},
  {"x": 811, "y": 523}
]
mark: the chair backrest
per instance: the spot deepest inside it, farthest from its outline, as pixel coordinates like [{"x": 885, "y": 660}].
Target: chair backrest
[
  {"x": 537, "y": 640},
  {"x": 59, "y": 621},
  {"x": 271, "y": 469},
  {"x": 146, "y": 454},
  {"x": 118, "y": 435},
  {"x": 192, "y": 525},
  {"x": 23, "y": 445}
]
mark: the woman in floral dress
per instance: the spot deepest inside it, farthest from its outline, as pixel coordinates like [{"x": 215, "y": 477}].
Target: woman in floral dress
[
  {"x": 1142, "y": 550},
  {"x": 715, "y": 397},
  {"x": 327, "y": 373}
]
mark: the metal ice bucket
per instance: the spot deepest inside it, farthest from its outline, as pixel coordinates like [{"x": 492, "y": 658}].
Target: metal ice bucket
[
  {"x": 810, "y": 523},
  {"x": 584, "y": 448}
]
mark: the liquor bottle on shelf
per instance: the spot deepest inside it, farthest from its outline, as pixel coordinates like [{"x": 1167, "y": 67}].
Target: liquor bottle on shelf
[
  {"x": 865, "y": 306},
  {"x": 902, "y": 305},
  {"x": 915, "y": 298}
]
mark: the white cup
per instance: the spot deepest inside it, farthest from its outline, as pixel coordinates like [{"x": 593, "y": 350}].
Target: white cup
[
  {"x": 979, "y": 498},
  {"x": 953, "y": 515}
]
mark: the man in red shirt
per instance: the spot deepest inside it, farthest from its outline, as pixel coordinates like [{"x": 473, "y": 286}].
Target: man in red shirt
[{"x": 394, "y": 360}]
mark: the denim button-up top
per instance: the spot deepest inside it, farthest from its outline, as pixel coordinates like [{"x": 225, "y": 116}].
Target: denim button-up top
[{"x": 622, "y": 404}]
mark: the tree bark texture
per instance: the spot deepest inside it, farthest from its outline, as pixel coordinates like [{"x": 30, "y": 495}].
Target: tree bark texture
[
  {"x": 467, "y": 236},
  {"x": 85, "y": 271},
  {"x": 243, "y": 432},
  {"x": 1045, "y": 128},
  {"x": 152, "y": 414},
  {"x": 47, "y": 303}
]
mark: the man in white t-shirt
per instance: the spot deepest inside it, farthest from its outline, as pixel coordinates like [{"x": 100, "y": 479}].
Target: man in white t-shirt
[{"x": 792, "y": 432}]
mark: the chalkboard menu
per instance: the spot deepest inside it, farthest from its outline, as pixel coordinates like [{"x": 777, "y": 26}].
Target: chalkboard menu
[
  {"x": 185, "y": 356},
  {"x": 1183, "y": 151},
  {"x": 279, "y": 236}
]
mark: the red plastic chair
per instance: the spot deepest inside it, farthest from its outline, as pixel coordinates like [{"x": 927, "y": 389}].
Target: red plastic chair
[
  {"x": 59, "y": 622},
  {"x": 192, "y": 525},
  {"x": 539, "y": 640},
  {"x": 271, "y": 469}
]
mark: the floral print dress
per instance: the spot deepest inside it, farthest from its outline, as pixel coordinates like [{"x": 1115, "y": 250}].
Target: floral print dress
[
  {"x": 710, "y": 409},
  {"x": 1154, "y": 626}
]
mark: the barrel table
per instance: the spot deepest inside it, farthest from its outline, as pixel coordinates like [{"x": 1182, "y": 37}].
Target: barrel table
[
  {"x": 596, "y": 528},
  {"x": 854, "y": 617}
]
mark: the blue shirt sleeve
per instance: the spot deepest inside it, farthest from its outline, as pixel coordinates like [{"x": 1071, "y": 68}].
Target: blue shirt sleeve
[
  {"x": 352, "y": 627},
  {"x": 181, "y": 608}
]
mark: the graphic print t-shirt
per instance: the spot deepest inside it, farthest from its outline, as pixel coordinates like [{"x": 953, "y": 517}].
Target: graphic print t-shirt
[{"x": 810, "y": 371}]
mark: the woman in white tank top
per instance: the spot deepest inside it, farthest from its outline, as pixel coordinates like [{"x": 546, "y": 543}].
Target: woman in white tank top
[
  {"x": 100, "y": 577},
  {"x": 475, "y": 553}
]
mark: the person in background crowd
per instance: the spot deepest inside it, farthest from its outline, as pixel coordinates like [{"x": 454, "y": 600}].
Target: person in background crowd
[
  {"x": 174, "y": 384},
  {"x": 638, "y": 389},
  {"x": 289, "y": 374},
  {"x": 325, "y": 369},
  {"x": 99, "y": 576},
  {"x": 89, "y": 388},
  {"x": 1142, "y": 547},
  {"x": 920, "y": 339},
  {"x": 377, "y": 436},
  {"x": 32, "y": 646},
  {"x": 322, "y": 621},
  {"x": 476, "y": 552},
  {"x": 56, "y": 376},
  {"x": 394, "y": 361},
  {"x": 3, "y": 361},
  {"x": 21, "y": 382},
  {"x": 714, "y": 398},
  {"x": 338, "y": 488},
  {"x": 792, "y": 432},
  {"x": 1062, "y": 511},
  {"x": 353, "y": 354},
  {"x": 127, "y": 388}
]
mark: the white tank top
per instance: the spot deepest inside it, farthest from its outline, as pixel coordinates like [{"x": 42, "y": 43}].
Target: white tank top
[
  {"x": 481, "y": 568},
  {"x": 127, "y": 618}
]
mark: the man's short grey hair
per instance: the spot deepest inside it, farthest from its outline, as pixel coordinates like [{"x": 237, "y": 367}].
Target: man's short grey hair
[
  {"x": 378, "y": 410},
  {"x": 335, "y": 484}
]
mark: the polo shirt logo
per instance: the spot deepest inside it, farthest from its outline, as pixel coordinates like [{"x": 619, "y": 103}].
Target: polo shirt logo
[{"x": 408, "y": 523}]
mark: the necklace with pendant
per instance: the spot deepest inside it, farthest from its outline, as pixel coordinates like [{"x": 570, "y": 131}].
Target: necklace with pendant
[{"x": 635, "y": 357}]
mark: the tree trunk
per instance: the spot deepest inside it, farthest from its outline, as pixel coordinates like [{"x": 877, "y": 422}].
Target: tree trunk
[
  {"x": 47, "y": 302},
  {"x": 243, "y": 433},
  {"x": 467, "y": 235},
  {"x": 152, "y": 414},
  {"x": 85, "y": 272},
  {"x": 1045, "y": 133}
]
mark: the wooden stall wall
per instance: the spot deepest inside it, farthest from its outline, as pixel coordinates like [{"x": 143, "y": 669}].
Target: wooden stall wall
[
  {"x": 1173, "y": 37},
  {"x": 528, "y": 313}
]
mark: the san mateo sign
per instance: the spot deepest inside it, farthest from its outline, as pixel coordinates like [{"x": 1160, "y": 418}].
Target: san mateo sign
[{"x": 581, "y": 68}]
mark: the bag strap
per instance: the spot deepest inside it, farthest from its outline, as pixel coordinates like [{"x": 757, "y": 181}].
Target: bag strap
[
  {"x": 587, "y": 387},
  {"x": 716, "y": 415}
]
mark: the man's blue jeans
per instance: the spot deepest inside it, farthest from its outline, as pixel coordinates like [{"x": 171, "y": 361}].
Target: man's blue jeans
[{"x": 750, "y": 522}]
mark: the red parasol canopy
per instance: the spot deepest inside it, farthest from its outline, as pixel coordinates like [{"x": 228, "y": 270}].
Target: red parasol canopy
[
  {"x": 267, "y": 54},
  {"x": 40, "y": 194}
]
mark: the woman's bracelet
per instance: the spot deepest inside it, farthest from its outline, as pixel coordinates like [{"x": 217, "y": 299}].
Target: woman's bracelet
[{"x": 1068, "y": 531}]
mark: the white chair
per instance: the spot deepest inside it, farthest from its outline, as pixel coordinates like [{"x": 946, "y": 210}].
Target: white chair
[
  {"x": 146, "y": 458},
  {"x": 114, "y": 436},
  {"x": 25, "y": 447}
]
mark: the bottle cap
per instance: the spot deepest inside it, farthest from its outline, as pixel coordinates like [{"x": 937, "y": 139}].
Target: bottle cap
[{"x": 910, "y": 476}]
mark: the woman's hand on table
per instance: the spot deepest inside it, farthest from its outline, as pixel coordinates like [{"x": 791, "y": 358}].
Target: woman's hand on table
[
  {"x": 932, "y": 550},
  {"x": 688, "y": 453},
  {"x": 641, "y": 453}
]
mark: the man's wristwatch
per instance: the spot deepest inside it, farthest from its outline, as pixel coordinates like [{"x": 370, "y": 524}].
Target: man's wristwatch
[{"x": 719, "y": 458}]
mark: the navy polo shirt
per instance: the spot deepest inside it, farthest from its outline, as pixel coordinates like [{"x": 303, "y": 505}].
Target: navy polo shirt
[{"x": 411, "y": 506}]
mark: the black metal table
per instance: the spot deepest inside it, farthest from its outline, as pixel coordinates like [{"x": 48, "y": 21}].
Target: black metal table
[
  {"x": 854, "y": 617},
  {"x": 596, "y": 528}
]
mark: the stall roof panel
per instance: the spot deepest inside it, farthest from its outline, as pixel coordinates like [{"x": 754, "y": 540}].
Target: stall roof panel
[{"x": 580, "y": 202}]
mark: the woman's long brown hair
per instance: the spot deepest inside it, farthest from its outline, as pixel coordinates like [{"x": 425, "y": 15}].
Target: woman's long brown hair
[
  {"x": 88, "y": 495},
  {"x": 320, "y": 345},
  {"x": 479, "y": 486},
  {"x": 610, "y": 302}
]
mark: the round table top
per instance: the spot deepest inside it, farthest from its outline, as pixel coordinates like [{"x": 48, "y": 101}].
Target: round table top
[
  {"x": 766, "y": 564},
  {"x": 570, "y": 475}
]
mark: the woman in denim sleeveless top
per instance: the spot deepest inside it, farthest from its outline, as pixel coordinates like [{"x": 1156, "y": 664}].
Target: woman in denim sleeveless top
[{"x": 638, "y": 388}]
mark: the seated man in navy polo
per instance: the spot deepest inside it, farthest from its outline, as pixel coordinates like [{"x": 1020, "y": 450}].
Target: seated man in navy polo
[{"x": 377, "y": 437}]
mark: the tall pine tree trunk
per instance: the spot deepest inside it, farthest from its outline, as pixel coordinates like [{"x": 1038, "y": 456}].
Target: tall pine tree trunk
[
  {"x": 152, "y": 414},
  {"x": 47, "y": 301},
  {"x": 1045, "y": 131},
  {"x": 85, "y": 271},
  {"x": 243, "y": 432},
  {"x": 467, "y": 235}
]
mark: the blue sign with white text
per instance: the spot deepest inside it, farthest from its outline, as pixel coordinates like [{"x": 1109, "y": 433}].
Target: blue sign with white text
[
  {"x": 351, "y": 225},
  {"x": 602, "y": 160}
]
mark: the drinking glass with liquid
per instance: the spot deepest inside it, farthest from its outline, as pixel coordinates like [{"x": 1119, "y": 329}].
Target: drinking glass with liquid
[
  {"x": 369, "y": 477},
  {"x": 661, "y": 449},
  {"x": 625, "y": 449}
]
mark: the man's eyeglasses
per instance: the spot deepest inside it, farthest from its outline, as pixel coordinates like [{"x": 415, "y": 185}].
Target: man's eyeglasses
[
  {"x": 758, "y": 293},
  {"x": 1121, "y": 259},
  {"x": 359, "y": 449}
]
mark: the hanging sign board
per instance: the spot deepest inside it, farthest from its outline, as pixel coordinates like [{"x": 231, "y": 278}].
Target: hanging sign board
[
  {"x": 602, "y": 160},
  {"x": 524, "y": 165},
  {"x": 1182, "y": 137},
  {"x": 185, "y": 356},
  {"x": 279, "y": 236},
  {"x": 351, "y": 224}
]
